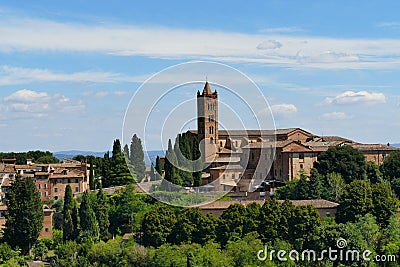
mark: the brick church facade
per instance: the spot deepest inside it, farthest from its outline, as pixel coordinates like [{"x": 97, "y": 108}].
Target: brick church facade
[{"x": 232, "y": 156}]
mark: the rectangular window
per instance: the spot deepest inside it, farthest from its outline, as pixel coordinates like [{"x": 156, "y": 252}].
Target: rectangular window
[
  {"x": 76, "y": 189},
  {"x": 55, "y": 190},
  {"x": 39, "y": 186},
  {"x": 45, "y": 186},
  {"x": 76, "y": 181},
  {"x": 46, "y": 194},
  {"x": 301, "y": 156}
]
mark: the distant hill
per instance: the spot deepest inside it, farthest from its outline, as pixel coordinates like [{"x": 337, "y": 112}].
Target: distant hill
[
  {"x": 396, "y": 145},
  {"x": 152, "y": 155}
]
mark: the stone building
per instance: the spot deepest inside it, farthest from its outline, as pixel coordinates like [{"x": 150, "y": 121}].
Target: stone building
[
  {"x": 232, "y": 157},
  {"x": 50, "y": 179}
]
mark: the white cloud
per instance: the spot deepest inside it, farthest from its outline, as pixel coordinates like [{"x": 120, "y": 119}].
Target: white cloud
[
  {"x": 102, "y": 94},
  {"x": 392, "y": 24},
  {"x": 172, "y": 43},
  {"x": 334, "y": 116},
  {"x": 27, "y": 103},
  {"x": 282, "y": 30},
  {"x": 270, "y": 44},
  {"x": 283, "y": 109},
  {"x": 16, "y": 75},
  {"x": 351, "y": 97}
]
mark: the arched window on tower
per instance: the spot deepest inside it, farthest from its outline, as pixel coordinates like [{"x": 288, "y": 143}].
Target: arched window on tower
[
  {"x": 211, "y": 140},
  {"x": 211, "y": 130}
]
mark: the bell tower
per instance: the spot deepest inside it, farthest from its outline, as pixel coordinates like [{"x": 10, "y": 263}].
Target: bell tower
[{"x": 207, "y": 122}]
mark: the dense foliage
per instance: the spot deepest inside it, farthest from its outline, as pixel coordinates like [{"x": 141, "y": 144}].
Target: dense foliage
[
  {"x": 24, "y": 214},
  {"x": 36, "y": 156}
]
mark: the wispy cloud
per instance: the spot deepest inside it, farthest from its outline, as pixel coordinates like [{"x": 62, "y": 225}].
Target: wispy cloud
[
  {"x": 283, "y": 109},
  {"x": 16, "y": 75},
  {"x": 392, "y": 24},
  {"x": 27, "y": 103},
  {"x": 290, "y": 29},
  {"x": 102, "y": 94},
  {"x": 173, "y": 43},
  {"x": 351, "y": 97},
  {"x": 333, "y": 116}
]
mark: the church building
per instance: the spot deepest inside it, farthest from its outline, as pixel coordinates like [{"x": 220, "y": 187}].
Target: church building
[{"x": 232, "y": 156}]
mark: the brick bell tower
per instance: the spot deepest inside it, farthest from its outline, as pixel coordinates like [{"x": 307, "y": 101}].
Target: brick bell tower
[{"x": 207, "y": 122}]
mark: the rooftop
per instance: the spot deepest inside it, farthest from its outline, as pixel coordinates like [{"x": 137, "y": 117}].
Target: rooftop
[{"x": 222, "y": 204}]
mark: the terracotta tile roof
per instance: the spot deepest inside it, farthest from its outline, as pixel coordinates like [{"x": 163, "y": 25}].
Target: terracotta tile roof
[
  {"x": 222, "y": 204},
  {"x": 228, "y": 167},
  {"x": 3, "y": 208},
  {"x": 317, "y": 203},
  {"x": 7, "y": 168},
  {"x": 331, "y": 138},
  {"x": 373, "y": 147}
]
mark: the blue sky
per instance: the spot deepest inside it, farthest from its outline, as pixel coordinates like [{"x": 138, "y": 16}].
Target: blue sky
[{"x": 68, "y": 69}]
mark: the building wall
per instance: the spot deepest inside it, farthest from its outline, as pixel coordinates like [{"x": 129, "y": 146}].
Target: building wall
[
  {"x": 47, "y": 230},
  {"x": 375, "y": 156},
  {"x": 58, "y": 186}
]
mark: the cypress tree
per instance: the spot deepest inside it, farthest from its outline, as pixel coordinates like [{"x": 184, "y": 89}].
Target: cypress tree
[
  {"x": 152, "y": 173},
  {"x": 158, "y": 166},
  {"x": 171, "y": 172},
  {"x": 137, "y": 157},
  {"x": 101, "y": 211},
  {"x": 196, "y": 155},
  {"x": 88, "y": 223},
  {"x": 24, "y": 214},
  {"x": 70, "y": 223},
  {"x": 117, "y": 150},
  {"x": 91, "y": 177},
  {"x": 126, "y": 152},
  {"x": 119, "y": 173},
  {"x": 182, "y": 150},
  {"x": 106, "y": 170}
]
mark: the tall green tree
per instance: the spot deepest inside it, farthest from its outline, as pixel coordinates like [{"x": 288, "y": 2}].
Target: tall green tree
[
  {"x": 231, "y": 223},
  {"x": 344, "y": 160},
  {"x": 24, "y": 214},
  {"x": 106, "y": 170},
  {"x": 356, "y": 200},
  {"x": 198, "y": 165},
  {"x": 374, "y": 175},
  {"x": 158, "y": 166},
  {"x": 171, "y": 172},
  {"x": 70, "y": 216},
  {"x": 152, "y": 173},
  {"x": 89, "y": 228},
  {"x": 184, "y": 157},
  {"x": 101, "y": 210},
  {"x": 137, "y": 157},
  {"x": 120, "y": 173},
  {"x": 157, "y": 225},
  {"x": 126, "y": 152},
  {"x": 92, "y": 185},
  {"x": 304, "y": 225},
  {"x": 391, "y": 166},
  {"x": 385, "y": 203}
]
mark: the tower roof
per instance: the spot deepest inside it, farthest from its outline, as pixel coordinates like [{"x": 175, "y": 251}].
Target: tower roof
[{"x": 207, "y": 89}]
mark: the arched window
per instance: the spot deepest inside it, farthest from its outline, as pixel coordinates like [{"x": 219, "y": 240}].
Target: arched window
[{"x": 211, "y": 140}]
